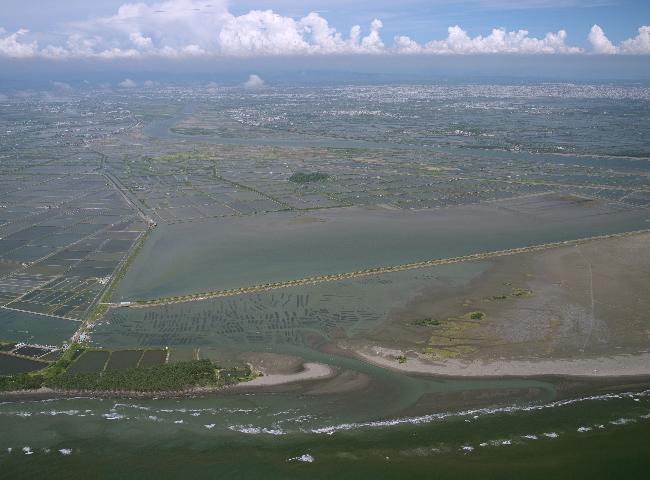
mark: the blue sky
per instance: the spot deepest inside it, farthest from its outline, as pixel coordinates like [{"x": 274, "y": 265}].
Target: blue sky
[
  {"x": 425, "y": 20},
  {"x": 422, "y": 20},
  {"x": 108, "y": 29}
]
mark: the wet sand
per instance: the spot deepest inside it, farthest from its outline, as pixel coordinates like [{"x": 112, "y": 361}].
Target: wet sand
[
  {"x": 619, "y": 365},
  {"x": 311, "y": 371},
  {"x": 573, "y": 311}
]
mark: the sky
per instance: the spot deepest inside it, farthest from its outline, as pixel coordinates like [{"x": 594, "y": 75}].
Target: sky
[
  {"x": 117, "y": 30},
  {"x": 45, "y": 43}
]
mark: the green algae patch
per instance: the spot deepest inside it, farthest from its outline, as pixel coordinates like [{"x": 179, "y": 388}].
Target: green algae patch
[
  {"x": 476, "y": 315},
  {"x": 302, "y": 177},
  {"x": 427, "y": 322}
]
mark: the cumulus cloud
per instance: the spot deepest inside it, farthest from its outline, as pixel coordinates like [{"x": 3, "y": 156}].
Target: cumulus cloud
[
  {"x": 253, "y": 81},
  {"x": 12, "y": 46},
  {"x": 195, "y": 28},
  {"x": 458, "y": 41},
  {"x": 127, "y": 83},
  {"x": 61, "y": 87},
  {"x": 639, "y": 45},
  {"x": 599, "y": 41}
]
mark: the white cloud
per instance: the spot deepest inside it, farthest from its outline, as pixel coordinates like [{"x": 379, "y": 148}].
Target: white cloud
[
  {"x": 62, "y": 87},
  {"x": 140, "y": 41},
  {"x": 196, "y": 28},
  {"x": 127, "y": 83},
  {"x": 11, "y": 46},
  {"x": 599, "y": 41},
  {"x": 499, "y": 41},
  {"x": 404, "y": 44},
  {"x": 639, "y": 45},
  {"x": 253, "y": 81}
]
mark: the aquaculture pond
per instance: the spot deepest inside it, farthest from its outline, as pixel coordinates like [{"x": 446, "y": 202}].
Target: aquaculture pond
[
  {"x": 10, "y": 365},
  {"x": 33, "y": 328},
  {"x": 236, "y": 252}
]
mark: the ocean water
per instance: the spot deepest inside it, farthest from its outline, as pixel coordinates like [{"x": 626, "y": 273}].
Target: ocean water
[{"x": 277, "y": 436}]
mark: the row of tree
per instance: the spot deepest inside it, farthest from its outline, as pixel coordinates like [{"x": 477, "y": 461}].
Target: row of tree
[{"x": 169, "y": 377}]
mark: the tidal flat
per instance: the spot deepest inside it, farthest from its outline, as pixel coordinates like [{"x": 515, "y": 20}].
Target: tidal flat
[{"x": 562, "y": 311}]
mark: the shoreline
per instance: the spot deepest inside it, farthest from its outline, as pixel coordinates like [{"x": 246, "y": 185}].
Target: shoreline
[
  {"x": 310, "y": 371},
  {"x": 614, "y": 366},
  {"x": 453, "y": 369}
]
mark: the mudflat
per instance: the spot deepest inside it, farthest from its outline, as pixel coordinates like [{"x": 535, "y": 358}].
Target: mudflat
[{"x": 577, "y": 310}]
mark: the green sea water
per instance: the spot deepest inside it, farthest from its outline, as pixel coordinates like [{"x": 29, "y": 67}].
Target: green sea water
[{"x": 289, "y": 436}]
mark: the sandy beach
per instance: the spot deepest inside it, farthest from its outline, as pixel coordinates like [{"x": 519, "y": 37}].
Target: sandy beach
[
  {"x": 614, "y": 366},
  {"x": 311, "y": 371}
]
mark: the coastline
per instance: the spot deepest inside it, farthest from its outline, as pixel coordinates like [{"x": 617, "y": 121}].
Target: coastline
[
  {"x": 585, "y": 373},
  {"x": 307, "y": 371},
  {"x": 597, "y": 367}
]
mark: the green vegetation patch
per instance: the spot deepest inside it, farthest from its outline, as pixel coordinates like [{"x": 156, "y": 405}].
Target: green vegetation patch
[
  {"x": 516, "y": 292},
  {"x": 302, "y": 177},
  {"x": 477, "y": 315},
  {"x": 235, "y": 375},
  {"x": 6, "y": 346},
  {"x": 427, "y": 322},
  {"x": 22, "y": 381},
  {"x": 521, "y": 292},
  {"x": 169, "y": 377}
]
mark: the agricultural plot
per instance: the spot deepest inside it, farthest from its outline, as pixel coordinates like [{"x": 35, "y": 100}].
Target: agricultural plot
[
  {"x": 98, "y": 361},
  {"x": 152, "y": 358},
  {"x": 10, "y": 365},
  {"x": 90, "y": 362},
  {"x": 62, "y": 237},
  {"x": 32, "y": 351},
  {"x": 124, "y": 359}
]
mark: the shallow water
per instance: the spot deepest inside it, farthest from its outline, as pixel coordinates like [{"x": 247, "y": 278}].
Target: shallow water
[{"x": 236, "y": 252}]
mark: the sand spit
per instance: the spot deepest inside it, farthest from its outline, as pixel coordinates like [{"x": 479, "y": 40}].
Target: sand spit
[
  {"x": 612, "y": 366},
  {"x": 311, "y": 371}
]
